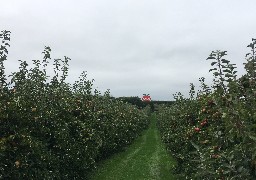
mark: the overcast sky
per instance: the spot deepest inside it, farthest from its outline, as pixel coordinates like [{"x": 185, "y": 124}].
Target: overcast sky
[{"x": 131, "y": 47}]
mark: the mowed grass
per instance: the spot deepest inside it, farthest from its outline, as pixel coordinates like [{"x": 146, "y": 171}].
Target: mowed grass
[{"x": 145, "y": 159}]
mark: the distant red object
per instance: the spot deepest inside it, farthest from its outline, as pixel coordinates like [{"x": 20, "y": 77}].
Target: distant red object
[{"x": 146, "y": 98}]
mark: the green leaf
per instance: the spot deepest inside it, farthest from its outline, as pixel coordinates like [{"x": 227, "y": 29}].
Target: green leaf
[
  {"x": 213, "y": 63},
  {"x": 216, "y": 73},
  {"x": 195, "y": 146},
  {"x": 228, "y": 75},
  {"x": 210, "y": 57},
  {"x": 213, "y": 69},
  {"x": 252, "y": 137},
  {"x": 227, "y": 71},
  {"x": 247, "y": 54},
  {"x": 225, "y": 61}
]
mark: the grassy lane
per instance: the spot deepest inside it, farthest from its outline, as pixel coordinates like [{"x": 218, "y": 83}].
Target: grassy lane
[{"x": 145, "y": 159}]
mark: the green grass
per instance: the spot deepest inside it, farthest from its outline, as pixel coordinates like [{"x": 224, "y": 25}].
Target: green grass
[{"x": 145, "y": 159}]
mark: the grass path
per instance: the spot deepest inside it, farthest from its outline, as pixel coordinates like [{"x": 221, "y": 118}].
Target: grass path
[{"x": 145, "y": 159}]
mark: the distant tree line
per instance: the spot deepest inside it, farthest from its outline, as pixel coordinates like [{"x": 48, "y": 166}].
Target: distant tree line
[{"x": 135, "y": 100}]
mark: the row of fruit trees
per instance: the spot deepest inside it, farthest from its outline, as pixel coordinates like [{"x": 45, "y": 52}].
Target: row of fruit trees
[
  {"x": 50, "y": 129},
  {"x": 212, "y": 134}
]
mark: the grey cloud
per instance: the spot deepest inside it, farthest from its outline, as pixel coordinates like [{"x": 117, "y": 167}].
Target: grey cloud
[{"x": 131, "y": 47}]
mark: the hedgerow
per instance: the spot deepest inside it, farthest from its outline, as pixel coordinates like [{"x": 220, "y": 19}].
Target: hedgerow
[
  {"x": 50, "y": 129},
  {"x": 212, "y": 134}
]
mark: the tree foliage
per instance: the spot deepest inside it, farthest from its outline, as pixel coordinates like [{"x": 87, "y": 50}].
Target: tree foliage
[
  {"x": 50, "y": 129},
  {"x": 212, "y": 134}
]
